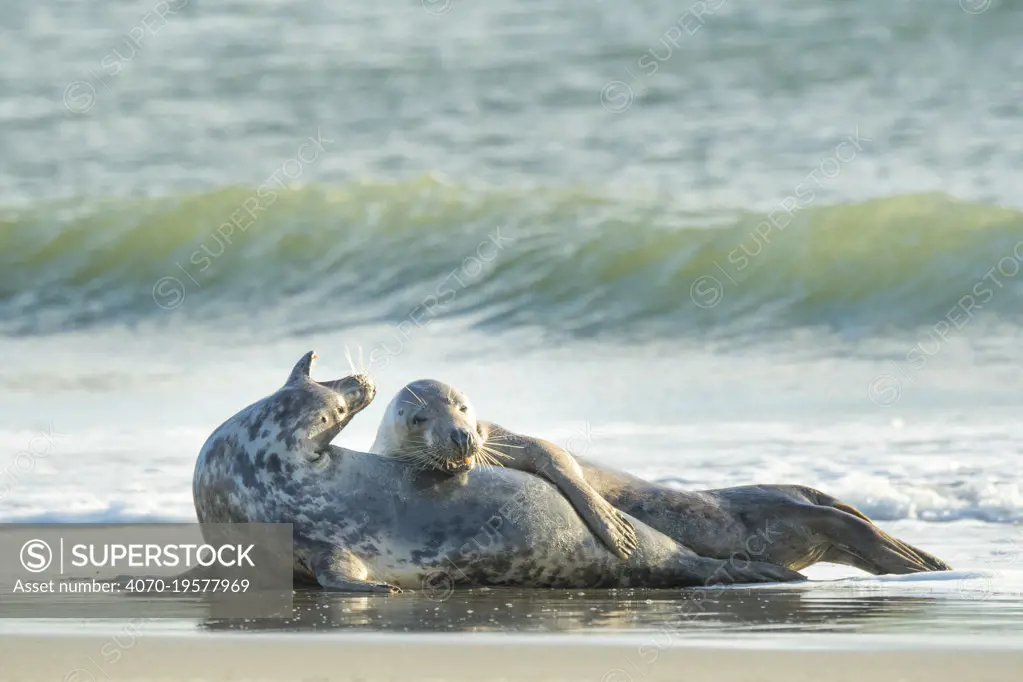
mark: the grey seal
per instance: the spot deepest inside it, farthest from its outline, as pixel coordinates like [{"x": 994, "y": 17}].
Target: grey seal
[
  {"x": 788, "y": 525},
  {"x": 429, "y": 425},
  {"x": 370, "y": 524}
]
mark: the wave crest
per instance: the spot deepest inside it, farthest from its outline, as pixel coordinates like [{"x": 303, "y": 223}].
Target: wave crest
[{"x": 571, "y": 261}]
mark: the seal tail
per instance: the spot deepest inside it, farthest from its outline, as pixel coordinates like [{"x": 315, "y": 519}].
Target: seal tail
[{"x": 915, "y": 559}]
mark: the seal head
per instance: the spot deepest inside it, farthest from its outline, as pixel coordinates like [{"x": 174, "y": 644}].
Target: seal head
[
  {"x": 312, "y": 412},
  {"x": 286, "y": 436},
  {"x": 431, "y": 425}
]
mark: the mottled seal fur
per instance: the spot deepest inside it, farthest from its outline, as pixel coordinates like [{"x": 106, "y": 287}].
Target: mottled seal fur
[
  {"x": 366, "y": 523},
  {"x": 788, "y": 525}
]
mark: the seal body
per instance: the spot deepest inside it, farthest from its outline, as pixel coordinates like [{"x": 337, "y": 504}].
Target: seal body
[
  {"x": 366, "y": 523},
  {"x": 788, "y": 525}
]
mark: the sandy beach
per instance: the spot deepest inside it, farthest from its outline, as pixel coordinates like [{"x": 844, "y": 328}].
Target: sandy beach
[{"x": 264, "y": 657}]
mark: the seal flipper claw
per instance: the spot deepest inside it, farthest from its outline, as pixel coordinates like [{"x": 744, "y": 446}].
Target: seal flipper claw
[
  {"x": 612, "y": 527},
  {"x": 336, "y": 583},
  {"x": 932, "y": 562}
]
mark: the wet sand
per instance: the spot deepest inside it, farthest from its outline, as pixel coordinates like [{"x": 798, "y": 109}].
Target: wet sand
[
  {"x": 883, "y": 606},
  {"x": 843, "y": 630}
]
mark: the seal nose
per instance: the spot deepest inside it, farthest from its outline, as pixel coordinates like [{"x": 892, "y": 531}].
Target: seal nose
[
  {"x": 369, "y": 389},
  {"x": 358, "y": 390},
  {"x": 462, "y": 439}
]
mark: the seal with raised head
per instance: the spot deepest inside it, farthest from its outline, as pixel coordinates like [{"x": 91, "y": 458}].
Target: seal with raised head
[
  {"x": 366, "y": 523},
  {"x": 789, "y": 525}
]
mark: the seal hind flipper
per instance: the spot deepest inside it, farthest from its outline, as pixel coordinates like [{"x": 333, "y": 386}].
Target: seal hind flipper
[
  {"x": 547, "y": 460},
  {"x": 302, "y": 368},
  {"x": 915, "y": 555},
  {"x": 860, "y": 543}
]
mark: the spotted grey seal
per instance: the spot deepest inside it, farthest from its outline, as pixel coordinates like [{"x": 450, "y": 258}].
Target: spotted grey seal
[
  {"x": 789, "y": 525},
  {"x": 366, "y": 523}
]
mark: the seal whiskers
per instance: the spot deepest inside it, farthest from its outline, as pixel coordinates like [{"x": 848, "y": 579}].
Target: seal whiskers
[{"x": 489, "y": 457}]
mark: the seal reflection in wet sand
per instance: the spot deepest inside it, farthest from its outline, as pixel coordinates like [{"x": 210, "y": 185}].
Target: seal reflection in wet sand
[
  {"x": 789, "y": 525},
  {"x": 368, "y": 523}
]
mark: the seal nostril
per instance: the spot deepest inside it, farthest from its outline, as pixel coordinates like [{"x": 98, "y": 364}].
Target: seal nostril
[{"x": 461, "y": 439}]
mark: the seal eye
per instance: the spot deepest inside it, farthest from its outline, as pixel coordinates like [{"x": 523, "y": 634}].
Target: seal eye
[
  {"x": 341, "y": 411},
  {"x": 323, "y": 419},
  {"x": 463, "y": 408},
  {"x": 417, "y": 420}
]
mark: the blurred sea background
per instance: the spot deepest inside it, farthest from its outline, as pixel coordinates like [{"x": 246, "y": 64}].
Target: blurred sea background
[{"x": 713, "y": 244}]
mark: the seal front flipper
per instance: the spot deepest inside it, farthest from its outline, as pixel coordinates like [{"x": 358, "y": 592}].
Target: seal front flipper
[
  {"x": 338, "y": 583},
  {"x": 337, "y": 569},
  {"x": 547, "y": 460}
]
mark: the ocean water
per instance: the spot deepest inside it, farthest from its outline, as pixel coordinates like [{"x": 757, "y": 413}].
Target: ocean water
[{"x": 713, "y": 244}]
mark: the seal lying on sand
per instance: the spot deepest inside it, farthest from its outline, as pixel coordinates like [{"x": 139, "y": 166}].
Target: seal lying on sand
[
  {"x": 364, "y": 523},
  {"x": 788, "y": 525}
]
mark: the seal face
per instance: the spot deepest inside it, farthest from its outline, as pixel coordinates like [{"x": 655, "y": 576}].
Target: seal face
[
  {"x": 366, "y": 523},
  {"x": 431, "y": 425}
]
